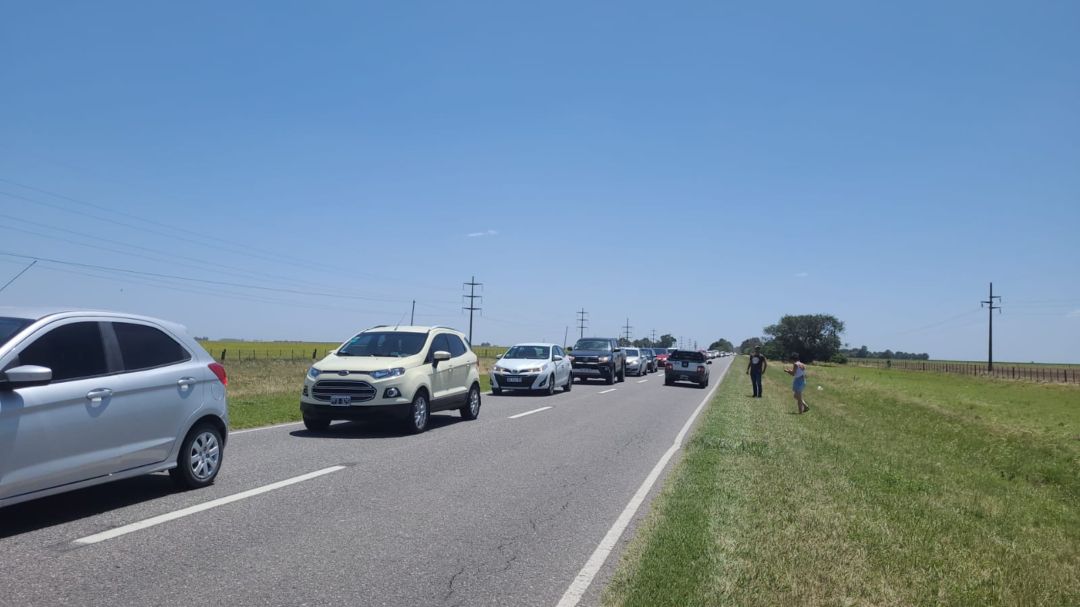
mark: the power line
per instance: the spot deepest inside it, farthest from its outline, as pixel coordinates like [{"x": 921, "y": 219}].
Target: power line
[
  {"x": 472, "y": 297},
  {"x": 582, "y": 319},
  {"x": 16, "y": 277},
  {"x": 990, "y": 304}
]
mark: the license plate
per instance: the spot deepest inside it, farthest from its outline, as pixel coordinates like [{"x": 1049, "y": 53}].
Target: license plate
[
  {"x": 339, "y": 400},
  {"x": 513, "y": 380},
  {"x": 685, "y": 364}
]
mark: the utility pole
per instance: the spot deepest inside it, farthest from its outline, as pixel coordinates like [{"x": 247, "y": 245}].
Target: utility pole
[
  {"x": 472, "y": 297},
  {"x": 990, "y": 304},
  {"x": 627, "y": 329},
  {"x": 582, "y": 318},
  {"x": 654, "y": 337},
  {"x": 412, "y": 318}
]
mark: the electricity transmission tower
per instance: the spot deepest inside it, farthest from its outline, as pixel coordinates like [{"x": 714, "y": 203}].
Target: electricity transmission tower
[
  {"x": 582, "y": 319},
  {"x": 472, "y": 297},
  {"x": 626, "y": 329},
  {"x": 990, "y": 304}
]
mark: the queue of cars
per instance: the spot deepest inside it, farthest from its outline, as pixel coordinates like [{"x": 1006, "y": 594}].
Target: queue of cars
[{"x": 88, "y": 397}]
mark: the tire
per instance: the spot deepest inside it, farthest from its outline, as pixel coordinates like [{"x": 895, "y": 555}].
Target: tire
[
  {"x": 551, "y": 385},
  {"x": 471, "y": 410},
  {"x": 569, "y": 383},
  {"x": 668, "y": 382},
  {"x": 316, "y": 424},
  {"x": 418, "y": 413},
  {"x": 622, "y": 373},
  {"x": 610, "y": 379},
  {"x": 200, "y": 458},
  {"x": 496, "y": 391}
]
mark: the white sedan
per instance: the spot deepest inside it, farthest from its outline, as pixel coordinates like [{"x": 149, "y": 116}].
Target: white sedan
[{"x": 532, "y": 367}]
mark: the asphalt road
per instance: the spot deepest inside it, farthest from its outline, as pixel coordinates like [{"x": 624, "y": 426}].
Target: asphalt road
[{"x": 499, "y": 511}]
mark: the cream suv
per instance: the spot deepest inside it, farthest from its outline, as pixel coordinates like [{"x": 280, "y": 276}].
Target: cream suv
[{"x": 404, "y": 373}]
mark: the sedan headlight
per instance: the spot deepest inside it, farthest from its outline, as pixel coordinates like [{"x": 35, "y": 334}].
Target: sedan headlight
[
  {"x": 313, "y": 373},
  {"x": 533, "y": 370},
  {"x": 604, "y": 359},
  {"x": 384, "y": 373},
  {"x": 498, "y": 369}
]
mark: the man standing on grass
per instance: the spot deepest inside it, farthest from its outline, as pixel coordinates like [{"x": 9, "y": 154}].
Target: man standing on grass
[{"x": 756, "y": 368}]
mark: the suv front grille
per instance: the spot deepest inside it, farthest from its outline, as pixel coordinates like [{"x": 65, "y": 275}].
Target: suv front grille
[
  {"x": 587, "y": 359},
  {"x": 360, "y": 391}
]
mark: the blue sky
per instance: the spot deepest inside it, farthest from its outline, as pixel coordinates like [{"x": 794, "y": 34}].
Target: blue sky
[{"x": 701, "y": 168}]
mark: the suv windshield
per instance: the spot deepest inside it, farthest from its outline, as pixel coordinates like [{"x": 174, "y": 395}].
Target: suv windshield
[
  {"x": 592, "y": 344},
  {"x": 10, "y": 326},
  {"x": 530, "y": 352},
  {"x": 632, "y": 352},
  {"x": 384, "y": 343}
]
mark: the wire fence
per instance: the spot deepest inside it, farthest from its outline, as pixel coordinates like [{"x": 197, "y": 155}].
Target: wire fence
[
  {"x": 298, "y": 354},
  {"x": 1040, "y": 373}
]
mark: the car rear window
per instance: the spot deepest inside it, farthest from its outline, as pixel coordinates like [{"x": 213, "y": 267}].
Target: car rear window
[
  {"x": 696, "y": 357},
  {"x": 144, "y": 347}
]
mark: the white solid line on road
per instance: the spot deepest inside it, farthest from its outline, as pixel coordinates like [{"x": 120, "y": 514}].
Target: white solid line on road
[
  {"x": 264, "y": 428},
  {"x": 528, "y": 412},
  {"x": 585, "y": 577},
  {"x": 641, "y": 381},
  {"x": 606, "y": 391},
  {"x": 170, "y": 516}
]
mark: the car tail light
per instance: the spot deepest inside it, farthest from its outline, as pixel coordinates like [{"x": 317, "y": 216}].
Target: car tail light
[
  {"x": 668, "y": 366},
  {"x": 701, "y": 369},
  {"x": 219, "y": 371}
]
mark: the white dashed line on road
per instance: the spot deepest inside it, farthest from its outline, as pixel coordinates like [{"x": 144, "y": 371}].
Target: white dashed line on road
[
  {"x": 264, "y": 428},
  {"x": 606, "y": 391},
  {"x": 641, "y": 381},
  {"x": 171, "y": 516},
  {"x": 528, "y": 412}
]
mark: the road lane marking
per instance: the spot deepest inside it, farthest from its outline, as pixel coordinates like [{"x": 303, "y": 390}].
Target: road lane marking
[
  {"x": 528, "y": 412},
  {"x": 171, "y": 516},
  {"x": 584, "y": 578},
  {"x": 606, "y": 391},
  {"x": 264, "y": 428},
  {"x": 641, "y": 381}
]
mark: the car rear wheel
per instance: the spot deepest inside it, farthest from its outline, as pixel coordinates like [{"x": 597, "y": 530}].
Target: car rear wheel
[
  {"x": 569, "y": 382},
  {"x": 416, "y": 420},
  {"x": 316, "y": 424},
  {"x": 471, "y": 410},
  {"x": 200, "y": 457}
]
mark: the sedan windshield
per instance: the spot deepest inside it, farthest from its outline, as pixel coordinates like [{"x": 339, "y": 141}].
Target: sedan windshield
[
  {"x": 631, "y": 352},
  {"x": 592, "y": 344},
  {"x": 10, "y": 326},
  {"x": 393, "y": 344},
  {"x": 529, "y": 352}
]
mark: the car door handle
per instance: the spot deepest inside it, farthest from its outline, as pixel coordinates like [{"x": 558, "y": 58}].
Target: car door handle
[
  {"x": 186, "y": 382},
  {"x": 99, "y": 394}
]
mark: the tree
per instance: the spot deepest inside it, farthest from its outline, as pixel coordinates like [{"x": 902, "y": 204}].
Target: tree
[
  {"x": 812, "y": 336},
  {"x": 667, "y": 341},
  {"x": 749, "y": 344},
  {"x": 623, "y": 342},
  {"x": 722, "y": 345}
]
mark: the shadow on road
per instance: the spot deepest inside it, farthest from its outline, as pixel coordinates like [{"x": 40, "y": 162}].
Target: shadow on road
[
  {"x": 375, "y": 429},
  {"x": 75, "y": 505}
]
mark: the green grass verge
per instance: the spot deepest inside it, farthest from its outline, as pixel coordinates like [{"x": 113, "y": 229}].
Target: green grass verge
[
  {"x": 266, "y": 392},
  {"x": 895, "y": 489}
]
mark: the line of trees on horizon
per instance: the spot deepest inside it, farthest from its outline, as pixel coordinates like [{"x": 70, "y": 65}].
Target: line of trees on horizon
[{"x": 814, "y": 337}]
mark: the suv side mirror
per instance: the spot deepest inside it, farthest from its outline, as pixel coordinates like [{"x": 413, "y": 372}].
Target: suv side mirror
[
  {"x": 440, "y": 355},
  {"x": 708, "y": 362},
  {"x": 617, "y": 350},
  {"x": 27, "y": 375}
]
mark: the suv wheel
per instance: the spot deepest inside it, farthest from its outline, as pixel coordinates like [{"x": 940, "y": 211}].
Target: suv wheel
[
  {"x": 200, "y": 457},
  {"x": 471, "y": 410},
  {"x": 316, "y": 424},
  {"x": 569, "y": 382},
  {"x": 610, "y": 379},
  {"x": 418, "y": 413},
  {"x": 622, "y": 373}
]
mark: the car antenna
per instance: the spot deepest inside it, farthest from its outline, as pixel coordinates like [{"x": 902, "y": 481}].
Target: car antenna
[{"x": 399, "y": 320}]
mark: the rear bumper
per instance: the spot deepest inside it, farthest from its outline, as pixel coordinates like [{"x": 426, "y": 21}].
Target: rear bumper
[{"x": 691, "y": 376}]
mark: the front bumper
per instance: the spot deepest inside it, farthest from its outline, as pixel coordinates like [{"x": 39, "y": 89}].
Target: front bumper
[
  {"x": 355, "y": 412},
  {"x": 592, "y": 370},
  {"x": 516, "y": 381},
  {"x": 365, "y": 393}
]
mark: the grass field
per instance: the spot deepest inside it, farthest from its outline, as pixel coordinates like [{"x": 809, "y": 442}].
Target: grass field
[{"x": 895, "y": 489}]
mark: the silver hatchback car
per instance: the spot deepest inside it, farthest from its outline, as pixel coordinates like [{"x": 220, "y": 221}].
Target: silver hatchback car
[{"x": 88, "y": 397}]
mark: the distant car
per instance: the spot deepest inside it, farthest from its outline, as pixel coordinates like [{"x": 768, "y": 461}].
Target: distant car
[
  {"x": 687, "y": 365},
  {"x": 661, "y": 357},
  {"x": 89, "y": 397},
  {"x": 532, "y": 367},
  {"x": 404, "y": 373},
  {"x": 637, "y": 362},
  {"x": 650, "y": 354},
  {"x": 599, "y": 357}
]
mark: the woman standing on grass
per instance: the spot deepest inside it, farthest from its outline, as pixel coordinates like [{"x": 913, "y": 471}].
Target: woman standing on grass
[{"x": 798, "y": 371}]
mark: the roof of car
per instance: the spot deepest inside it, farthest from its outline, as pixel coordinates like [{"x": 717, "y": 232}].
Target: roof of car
[
  {"x": 537, "y": 343},
  {"x": 409, "y": 328},
  {"x": 37, "y": 313}
]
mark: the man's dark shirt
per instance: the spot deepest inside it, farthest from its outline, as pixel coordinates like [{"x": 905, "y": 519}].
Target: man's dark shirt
[{"x": 757, "y": 363}]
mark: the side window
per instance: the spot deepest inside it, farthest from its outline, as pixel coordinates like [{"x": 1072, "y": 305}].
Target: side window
[
  {"x": 439, "y": 343},
  {"x": 144, "y": 347},
  {"x": 456, "y": 347},
  {"x": 72, "y": 351},
  {"x": 559, "y": 352}
]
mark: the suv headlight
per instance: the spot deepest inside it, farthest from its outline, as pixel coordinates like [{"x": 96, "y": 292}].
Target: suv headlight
[
  {"x": 313, "y": 373},
  {"x": 384, "y": 373},
  {"x": 604, "y": 359}
]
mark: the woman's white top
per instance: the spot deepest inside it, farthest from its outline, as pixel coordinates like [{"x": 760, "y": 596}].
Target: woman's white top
[{"x": 799, "y": 371}]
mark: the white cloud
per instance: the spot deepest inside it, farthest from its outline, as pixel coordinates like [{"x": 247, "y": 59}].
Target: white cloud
[
  {"x": 1073, "y": 314},
  {"x": 484, "y": 233},
  {"x": 802, "y": 275}
]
